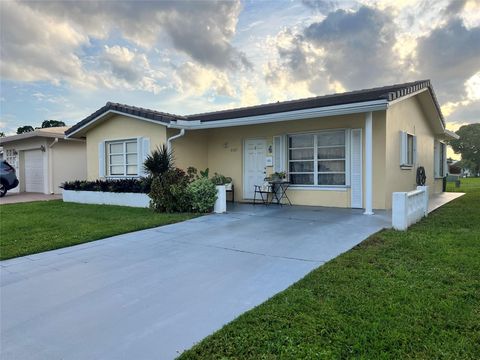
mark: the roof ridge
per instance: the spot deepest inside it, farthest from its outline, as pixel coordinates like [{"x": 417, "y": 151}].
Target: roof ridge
[{"x": 311, "y": 98}]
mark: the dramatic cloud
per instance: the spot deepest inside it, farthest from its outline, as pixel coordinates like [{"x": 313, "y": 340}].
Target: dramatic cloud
[
  {"x": 450, "y": 55},
  {"x": 39, "y": 48},
  {"x": 357, "y": 47},
  {"x": 200, "y": 29}
]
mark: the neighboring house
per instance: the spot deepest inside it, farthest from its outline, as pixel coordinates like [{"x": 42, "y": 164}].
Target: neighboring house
[
  {"x": 43, "y": 159},
  {"x": 346, "y": 150}
]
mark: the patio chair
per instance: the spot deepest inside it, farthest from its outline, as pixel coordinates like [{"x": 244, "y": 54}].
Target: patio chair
[{"x": 265, "y": 190}]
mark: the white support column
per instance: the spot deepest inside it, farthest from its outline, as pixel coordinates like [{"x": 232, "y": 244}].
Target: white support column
[{"x": 368, "y": 164}]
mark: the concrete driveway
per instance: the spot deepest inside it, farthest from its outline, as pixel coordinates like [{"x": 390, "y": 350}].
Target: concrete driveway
[{"x": 153, "y": 293}]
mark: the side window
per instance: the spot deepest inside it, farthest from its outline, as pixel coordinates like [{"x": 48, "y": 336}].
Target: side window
[{"x": 408, "y": 149}]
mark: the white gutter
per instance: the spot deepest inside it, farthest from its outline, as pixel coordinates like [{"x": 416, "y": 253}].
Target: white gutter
[
  {"x": 170, "y": 139},
  {"x": 284, "y": 116},
  {"x": 53, "y": 142}
]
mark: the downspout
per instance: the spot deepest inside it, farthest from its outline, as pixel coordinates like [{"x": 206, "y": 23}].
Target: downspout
[
  {"x": 50, "y": 166},
  {"x": 170, "y": 139}
]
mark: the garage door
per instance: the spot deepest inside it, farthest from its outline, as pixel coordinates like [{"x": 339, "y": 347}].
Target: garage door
[{"x": 34, "y": 171}]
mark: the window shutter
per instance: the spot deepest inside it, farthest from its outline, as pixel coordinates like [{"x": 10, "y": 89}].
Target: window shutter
[
  {"x": 356, "y": 169},
  {"x": 143, "y": 145},
  {"x": 403, "y": 148},
  {"x": 279, "y": 153},
  {"x": 414, "y": 150},
  {"x": 436, "y": 158},
  {"x": 101, "y": 159},
  {"x": 445, "y": 165}
]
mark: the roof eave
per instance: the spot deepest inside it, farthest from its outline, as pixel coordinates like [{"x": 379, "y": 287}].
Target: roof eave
[
  {"x": 318, "y": 112},
  {"x": 79, "y": 132}
]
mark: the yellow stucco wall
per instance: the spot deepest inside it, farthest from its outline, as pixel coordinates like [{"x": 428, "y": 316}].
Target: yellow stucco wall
[
  {"x": 120, "y": 127},
  {"x": 190, "y": 149},
  {"x": 408, "y": 116},
  {"x": 225, "y": 154},
  {"x": 68, "y": 162}
]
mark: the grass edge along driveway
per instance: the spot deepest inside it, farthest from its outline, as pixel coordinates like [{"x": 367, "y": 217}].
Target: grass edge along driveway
[
  {"x": 397, "y": 295},
  {"x": 29, "y": 228}
]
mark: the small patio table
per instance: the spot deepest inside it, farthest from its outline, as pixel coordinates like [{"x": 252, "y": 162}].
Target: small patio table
[{"x": 279, "y": 192}]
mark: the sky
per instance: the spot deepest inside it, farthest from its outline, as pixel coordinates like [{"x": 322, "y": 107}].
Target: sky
[{"x": 63, "y": 60}]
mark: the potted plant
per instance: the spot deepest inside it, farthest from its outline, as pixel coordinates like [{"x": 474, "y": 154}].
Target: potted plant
[
  {"x": 279, "y": 176},
  {"x": 222, "y": 183}
]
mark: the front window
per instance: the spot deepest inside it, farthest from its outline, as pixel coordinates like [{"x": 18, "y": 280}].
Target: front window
[
  {"x": 317, "y": 159},
  {"x": 122, "y": 158}
]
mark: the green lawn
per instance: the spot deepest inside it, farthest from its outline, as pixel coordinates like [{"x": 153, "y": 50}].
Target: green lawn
[
  {"x": 29, "y": 228},
  {"x": 398, "y": 295},
  {"x": 466, "y": 184}
]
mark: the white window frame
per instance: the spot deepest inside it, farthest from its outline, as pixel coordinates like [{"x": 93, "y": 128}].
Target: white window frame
[
  {"x": 108, "y": 164},
  {"x": 316, "y": 160},
  {"x": 406, "y": 161},
  {"x": 440, "y": 159}
]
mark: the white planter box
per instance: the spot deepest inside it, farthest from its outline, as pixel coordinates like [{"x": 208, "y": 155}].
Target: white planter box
[
  {"x": 221, "y": 202},
  {"x": 106, "y": 198}
]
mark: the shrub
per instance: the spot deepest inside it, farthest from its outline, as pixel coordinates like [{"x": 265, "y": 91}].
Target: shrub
[
  {"x": 203, "y": 194},
  {"x": 219, "y": 179},
  {"x": 159, "y": 161},
  {"x": 141, "y": 185},
  {"x": 169, "y": 192}
]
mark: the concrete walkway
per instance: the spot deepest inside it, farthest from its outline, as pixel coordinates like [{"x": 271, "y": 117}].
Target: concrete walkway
[
  {"x": 441, "y": 199},
  {"x": 13, "y": 198},
  {"x": 153, "y": 293}
]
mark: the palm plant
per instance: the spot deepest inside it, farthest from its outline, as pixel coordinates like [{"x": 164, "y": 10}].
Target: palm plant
[{"x": 159, "y": 161}]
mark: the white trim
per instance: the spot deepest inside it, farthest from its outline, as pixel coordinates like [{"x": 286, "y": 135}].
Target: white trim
[
  {"x": 318, "y": 188},
  {"x": 91, "y": 122},
  {"x": 360, "y": 165},
  {"x": 404, "y": 97},
  {"x": 284, "y": 116},
  {"x": 368, "y": 164}
]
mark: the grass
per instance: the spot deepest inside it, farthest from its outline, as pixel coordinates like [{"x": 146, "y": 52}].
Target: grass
[
  {"x": 397, "y": 295},
  {"x": 466, "y": 184},
  {"x": 30, "y": 228}
]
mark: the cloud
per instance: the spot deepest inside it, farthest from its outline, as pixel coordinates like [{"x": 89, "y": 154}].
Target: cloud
[
  {"x": 39, "y": 48},
  {"x": 450, "y": 55},
  {"x": 322, "y": 6},
  {"x": 202, "y": 30},
  {"x": 194, "y": 79},
  {"x": 357, "y": 47}
]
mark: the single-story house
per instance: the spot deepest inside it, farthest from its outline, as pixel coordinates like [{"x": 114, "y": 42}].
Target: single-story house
[
  {"x": 43, "y": 159},
  {"x": 347, "y": 150}
]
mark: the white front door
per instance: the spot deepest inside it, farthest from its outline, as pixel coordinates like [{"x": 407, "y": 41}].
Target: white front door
[
  {"x": 254, "y": 154},
  {"x": 33, "y": 171}
]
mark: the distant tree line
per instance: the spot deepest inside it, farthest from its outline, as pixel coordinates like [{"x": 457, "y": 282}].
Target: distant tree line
[{"x": 45, "y": 124}]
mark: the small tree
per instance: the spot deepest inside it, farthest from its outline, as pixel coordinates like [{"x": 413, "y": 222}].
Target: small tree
[
  {"x": 2, "y": 134},
  {"x": 25, "y": 129},
  {"x": 52, "y": 123}
]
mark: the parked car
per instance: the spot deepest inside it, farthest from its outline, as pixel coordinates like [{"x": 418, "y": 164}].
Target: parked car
[{"x": 8, "y": 178}]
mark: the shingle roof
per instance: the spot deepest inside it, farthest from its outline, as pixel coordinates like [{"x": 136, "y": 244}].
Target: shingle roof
[
  {"x": 159, "y": 116},
  {"x": 388, "y": 93}
]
